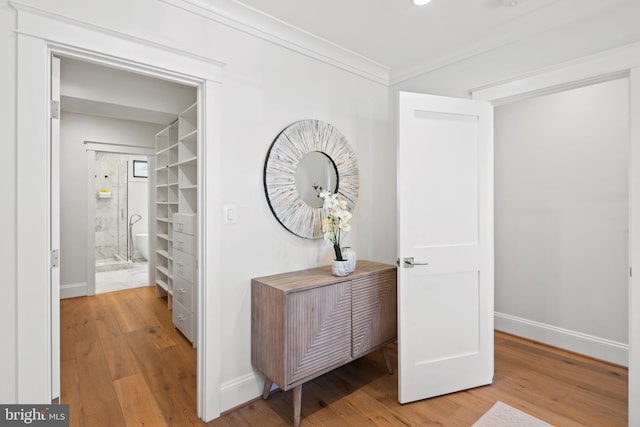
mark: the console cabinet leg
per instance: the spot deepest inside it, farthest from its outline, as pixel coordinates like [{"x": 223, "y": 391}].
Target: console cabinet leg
[
  {"x": 267, "y": 388},
  {"x": 297, "y": 404},
  {"x": 387, "y": 361}
]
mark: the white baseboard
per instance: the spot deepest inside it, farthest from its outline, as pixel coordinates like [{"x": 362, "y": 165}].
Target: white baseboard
[
  {"x": 240, "y": 390},
  {"x": 599, "y": 348},
  {"x": 73, "y": 290}
]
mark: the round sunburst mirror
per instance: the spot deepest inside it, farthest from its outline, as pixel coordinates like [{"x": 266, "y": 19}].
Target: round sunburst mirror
[{"x": 306, "y": 157}]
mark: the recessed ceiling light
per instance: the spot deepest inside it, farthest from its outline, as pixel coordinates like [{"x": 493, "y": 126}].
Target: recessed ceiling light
[
  {"x": 510, "y": 3},
  {"x": 420, "y": 2}
]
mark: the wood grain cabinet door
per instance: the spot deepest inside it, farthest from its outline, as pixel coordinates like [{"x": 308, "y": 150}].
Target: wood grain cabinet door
[
  {"x": 374, "y": 311},
  {"x": 318, "y": 330}
]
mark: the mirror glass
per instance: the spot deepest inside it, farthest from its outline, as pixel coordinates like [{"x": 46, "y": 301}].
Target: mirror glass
[{"x": 315, "y": 172}]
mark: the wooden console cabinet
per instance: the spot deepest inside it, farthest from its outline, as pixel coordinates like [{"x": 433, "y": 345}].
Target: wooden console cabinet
[{"x": 306, "y": 323}]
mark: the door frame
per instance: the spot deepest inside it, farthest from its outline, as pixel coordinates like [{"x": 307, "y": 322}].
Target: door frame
[
  {"x": 611, "y": 65},
  {"x": 39, "y": 36},
  {"x": 92, "y": 148}
]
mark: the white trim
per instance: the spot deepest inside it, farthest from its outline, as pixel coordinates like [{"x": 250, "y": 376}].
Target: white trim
[
  {"x": 240, "y": 390},
  {"x": 209, "y": 255},
  {"x": 599, "y": 348},
  {"x": 256, "y": 23},
  {"x": 91, "y": 224},
  {"x": 33, "y": 281},
  {"x": 112, "y": 147},
  {"x": 591, "y": 69},
  {"x": 634, "y": 242},
  {"x": 73, "y": 290}
]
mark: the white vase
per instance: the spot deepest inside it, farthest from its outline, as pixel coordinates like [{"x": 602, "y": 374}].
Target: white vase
[
  {"x": 350, "y": 255},
  {"x": 340, "y": 268}
]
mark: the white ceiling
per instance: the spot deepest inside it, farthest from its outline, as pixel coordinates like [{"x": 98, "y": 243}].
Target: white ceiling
[
  {"x": 391, "y": 41},
  {"x": 100, "y": 91},
  {"x": 411, "y": 40}
]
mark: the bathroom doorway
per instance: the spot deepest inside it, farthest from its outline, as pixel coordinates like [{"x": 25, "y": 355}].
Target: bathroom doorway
[{"x": 121, "y": 221}]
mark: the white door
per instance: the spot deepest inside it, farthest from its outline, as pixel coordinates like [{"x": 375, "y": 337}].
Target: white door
[
  {"x": 445, "y": 244},
  {"x": 55, "y": 227}
]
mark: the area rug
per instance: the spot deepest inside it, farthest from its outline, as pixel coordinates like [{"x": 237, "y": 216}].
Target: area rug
[{"x": 503, "y": 415}]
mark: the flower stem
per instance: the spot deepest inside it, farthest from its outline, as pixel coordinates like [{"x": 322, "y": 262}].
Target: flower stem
[{"x": 338, "y": 251}]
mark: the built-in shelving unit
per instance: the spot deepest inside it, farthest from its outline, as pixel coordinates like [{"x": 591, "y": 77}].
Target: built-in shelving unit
[{"x": 176, "y": 209}]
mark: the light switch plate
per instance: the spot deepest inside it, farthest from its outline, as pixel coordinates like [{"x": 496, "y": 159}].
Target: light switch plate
[{"x": 230, "y": 214}]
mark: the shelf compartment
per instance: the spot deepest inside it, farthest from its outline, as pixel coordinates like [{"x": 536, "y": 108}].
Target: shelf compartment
[
  {"x": 166, "y": 137},
  {"x": 188, "y": 201},
  {"x": 187, "y": 176},
  {"x": 162, "y": 194},
  {"x": 162, "y": 211},
  {"x": 162, "y": 284},
  {"x": 172, "y": 194},
  {"x": 161, "y": 179},
  {"x": 188, "y": 121},
  {"x": 172, "y": 175},
  {"x": 164, "y": 270},
  {"x": 188, "y": 147}
]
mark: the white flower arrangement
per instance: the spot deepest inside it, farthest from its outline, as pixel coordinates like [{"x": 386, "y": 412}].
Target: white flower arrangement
[{"x": 336, "y": 224}]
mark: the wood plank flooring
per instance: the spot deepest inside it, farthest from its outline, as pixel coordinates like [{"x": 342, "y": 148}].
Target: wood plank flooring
[{"x": 124, "y": 364}]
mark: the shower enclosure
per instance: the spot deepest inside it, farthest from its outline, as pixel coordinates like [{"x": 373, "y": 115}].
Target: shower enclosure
[{"x": 113, "y": 244}]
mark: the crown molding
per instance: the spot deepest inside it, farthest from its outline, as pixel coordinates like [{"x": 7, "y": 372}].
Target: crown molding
[{"x": 251, "y": 21}]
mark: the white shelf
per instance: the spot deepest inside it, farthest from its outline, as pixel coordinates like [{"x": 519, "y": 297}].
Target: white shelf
[
  {"x": 165, "y": 254},
  {"x": 164, "y": 270},
  {"x": 162, "y": 284},
  {"x": 167, "y": 149},
  {"x": 189, "y": 162},
  {"x": 191, "y": 136}
]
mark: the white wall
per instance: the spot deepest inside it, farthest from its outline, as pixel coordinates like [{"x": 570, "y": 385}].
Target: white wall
[
  {"x": 265, "y": 88},
  {"x": 75, "y": 129},
  {"x": 561, "y": 218},
  {"x": 261, "y": 99}
]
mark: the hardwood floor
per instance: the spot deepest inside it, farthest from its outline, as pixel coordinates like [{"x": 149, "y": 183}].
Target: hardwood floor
[{"x": 124, "y": 364}]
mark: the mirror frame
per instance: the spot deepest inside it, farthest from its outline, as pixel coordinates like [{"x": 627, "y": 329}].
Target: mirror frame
[{"x": 283, "y": 157}]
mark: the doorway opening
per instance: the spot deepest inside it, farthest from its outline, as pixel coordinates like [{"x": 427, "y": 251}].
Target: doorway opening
[
  {"x": 115, "y": 250},
  {"x": 121, "y": 221}
]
